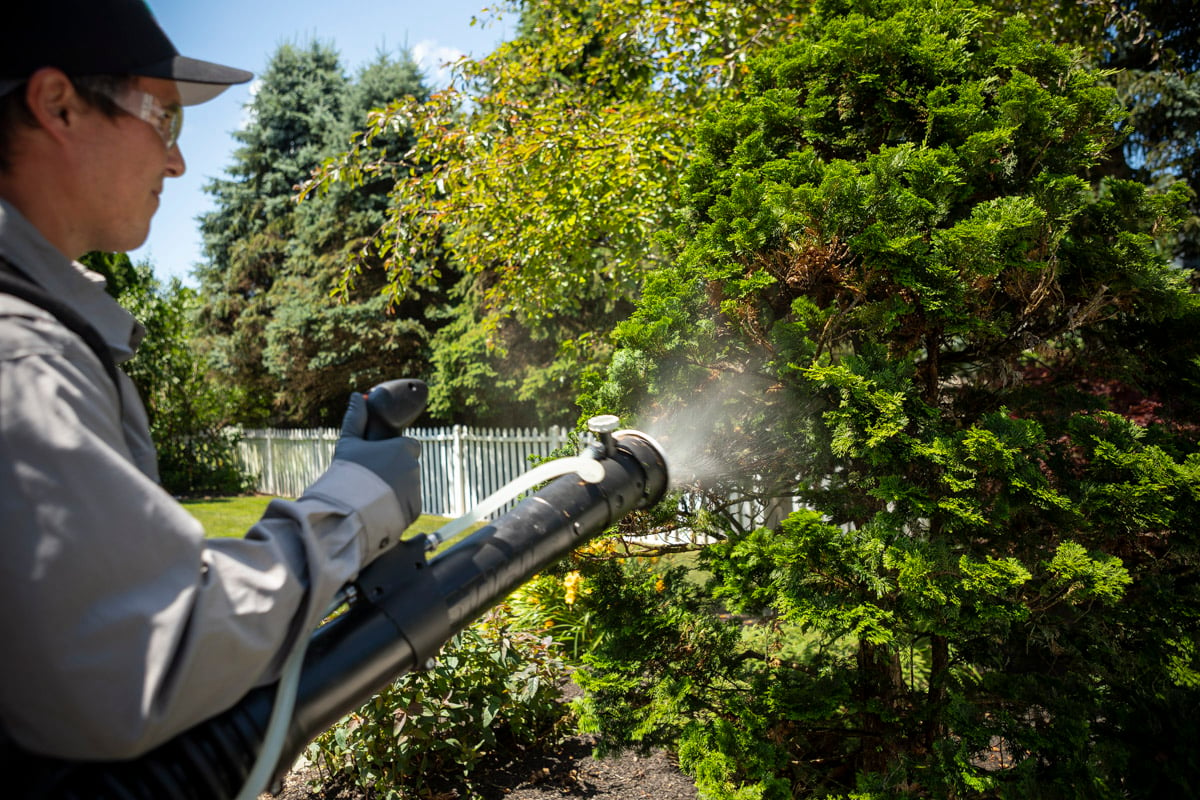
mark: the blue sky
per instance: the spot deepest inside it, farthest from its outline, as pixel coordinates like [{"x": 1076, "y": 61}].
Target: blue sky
[{"x": 244, "y": 33}]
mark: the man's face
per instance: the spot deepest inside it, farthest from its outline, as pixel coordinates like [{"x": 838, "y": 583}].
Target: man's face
[{"x": 123, "y": 170}]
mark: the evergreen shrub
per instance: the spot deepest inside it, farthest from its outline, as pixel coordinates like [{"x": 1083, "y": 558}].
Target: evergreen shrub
[{"x": 899, "y": 296}]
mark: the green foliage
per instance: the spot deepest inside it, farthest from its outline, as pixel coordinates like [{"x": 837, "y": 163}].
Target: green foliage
[
  {"x": 187, "y": 412},
  {"x": 493, "y": 687},
  {"x": 544, "y": 175},
  {"x": 1153, "y": 50},
  {"x": 670, "y": 672},
  {"x": 902, "y": 297},
  {"x": 649, "y": 661},
  {"x": 576, "y": 124},
  {"x": 120, "y": 275},
  {"x": 274, "y": 325},
  {"x": 502, "y": 373},
  {"x": 551, "y": 605}
]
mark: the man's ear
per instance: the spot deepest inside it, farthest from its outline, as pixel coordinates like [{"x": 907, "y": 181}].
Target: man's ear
[{"x": 53, "y": 101}]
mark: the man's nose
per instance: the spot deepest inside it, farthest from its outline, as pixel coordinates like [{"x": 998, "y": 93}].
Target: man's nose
[{"x": 175, "y": 162}]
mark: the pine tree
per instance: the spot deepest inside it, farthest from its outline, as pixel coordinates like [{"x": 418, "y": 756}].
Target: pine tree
[
  {"x": 332, "y": 333},
  {"x": 281, "y": 325},
  {"x": 296, "y": 111}
]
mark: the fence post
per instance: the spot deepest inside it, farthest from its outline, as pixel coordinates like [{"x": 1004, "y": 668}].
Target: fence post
[
  {"x": 459, "y": 473},
  {"x": 269, "y": 447}
]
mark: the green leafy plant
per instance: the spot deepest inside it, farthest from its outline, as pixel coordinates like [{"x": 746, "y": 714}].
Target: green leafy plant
[
  {"x": 550, "y": 603},
  {"x": 494, "y": 687},
  {"x": 189, "y": 413}
]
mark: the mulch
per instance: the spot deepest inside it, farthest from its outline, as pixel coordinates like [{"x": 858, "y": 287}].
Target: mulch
[{"x": 567, "y": 770}]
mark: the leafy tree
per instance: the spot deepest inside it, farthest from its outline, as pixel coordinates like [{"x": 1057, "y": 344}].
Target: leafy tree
[
  {"x": 899, "y": 295},
  {"x": 188, "y": 412},
  {"x": 544, "y": 175}
]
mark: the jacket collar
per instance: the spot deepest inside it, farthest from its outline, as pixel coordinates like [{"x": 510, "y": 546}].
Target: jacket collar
[{"x": 74, "y": 284}]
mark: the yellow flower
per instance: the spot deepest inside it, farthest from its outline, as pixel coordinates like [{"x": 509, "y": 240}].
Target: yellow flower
[
  {"x": 600, "y": 547},
  {"x": 548, "y": 624},
  {"x": 571, "y": 584},
  {"x": 659, "y": 585}
]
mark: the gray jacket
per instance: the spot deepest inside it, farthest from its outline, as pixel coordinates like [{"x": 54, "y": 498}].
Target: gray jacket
[{"x": 122, "y": 625}]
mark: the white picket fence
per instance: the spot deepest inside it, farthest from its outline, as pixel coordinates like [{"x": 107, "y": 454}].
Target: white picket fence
[{"x": 459, "y": 466}]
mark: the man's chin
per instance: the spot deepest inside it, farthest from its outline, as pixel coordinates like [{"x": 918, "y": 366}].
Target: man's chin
[
  {"x": 124, "y": 244},
  {"x": 137, "y": 238}
]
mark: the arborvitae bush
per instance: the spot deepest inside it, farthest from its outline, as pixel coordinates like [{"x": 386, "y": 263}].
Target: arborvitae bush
[{"x": 919, "y": 314}]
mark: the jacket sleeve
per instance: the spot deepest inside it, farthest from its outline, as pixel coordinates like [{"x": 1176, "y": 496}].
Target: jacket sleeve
[{"x": 122, "y": 624}]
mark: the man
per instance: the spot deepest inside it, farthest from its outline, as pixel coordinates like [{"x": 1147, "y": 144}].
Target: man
[{"x": 122, "y": 626}]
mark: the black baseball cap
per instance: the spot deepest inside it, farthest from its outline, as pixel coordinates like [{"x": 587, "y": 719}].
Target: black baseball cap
[{"x": 102, "y": 37}]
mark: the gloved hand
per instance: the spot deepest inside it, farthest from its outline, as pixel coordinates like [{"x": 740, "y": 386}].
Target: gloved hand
[{"x": 394, "y": 460}]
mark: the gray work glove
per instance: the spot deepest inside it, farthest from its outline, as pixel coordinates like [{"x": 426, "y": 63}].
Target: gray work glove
[{"x": 394, "y": 460}]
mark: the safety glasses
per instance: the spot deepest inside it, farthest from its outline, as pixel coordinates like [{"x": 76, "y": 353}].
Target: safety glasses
[{"x": 167, "y": 120}]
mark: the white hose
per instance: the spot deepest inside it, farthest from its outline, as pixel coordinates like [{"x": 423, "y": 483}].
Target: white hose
[
  {"x": 588, "y": 468},
  {"x": 281, "y": 718}
]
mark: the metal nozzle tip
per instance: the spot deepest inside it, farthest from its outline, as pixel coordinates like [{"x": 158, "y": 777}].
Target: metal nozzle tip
[{"x": 605, "y": 423}]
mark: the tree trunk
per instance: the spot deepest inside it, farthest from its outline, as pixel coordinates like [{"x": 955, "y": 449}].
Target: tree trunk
[
  {"x": 938, "y": 675},
  {"x": 881, "y": 685}
]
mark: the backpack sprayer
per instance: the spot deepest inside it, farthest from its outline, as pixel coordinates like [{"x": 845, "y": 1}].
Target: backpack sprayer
[{"x": 400, "y": 611}]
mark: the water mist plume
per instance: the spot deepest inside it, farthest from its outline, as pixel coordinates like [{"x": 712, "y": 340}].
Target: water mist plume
[{"x": 702, "y": 436}]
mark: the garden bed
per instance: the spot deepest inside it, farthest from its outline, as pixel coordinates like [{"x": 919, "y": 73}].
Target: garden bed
[{"x": 567, "y": 770}]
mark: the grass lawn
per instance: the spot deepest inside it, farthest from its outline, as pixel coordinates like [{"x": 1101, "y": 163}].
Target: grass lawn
[{"x": 233, "y": 516}]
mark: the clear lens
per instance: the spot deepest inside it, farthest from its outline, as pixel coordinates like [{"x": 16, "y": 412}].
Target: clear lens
[{"x": 167, "y": 120}]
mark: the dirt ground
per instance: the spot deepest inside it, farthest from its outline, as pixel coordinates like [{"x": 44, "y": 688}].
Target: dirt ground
[
  {"x": 568, "y": 771},
  {"x": 562, "y": 772}
]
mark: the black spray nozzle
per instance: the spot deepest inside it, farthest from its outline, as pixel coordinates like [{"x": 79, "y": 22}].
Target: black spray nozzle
[{"x": 393, "y": 406}]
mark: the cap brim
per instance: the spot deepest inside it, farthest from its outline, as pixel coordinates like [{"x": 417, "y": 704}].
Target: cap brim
[
  {"x": 193, "y": 94},
  {"x": 198, "y": 81}
]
